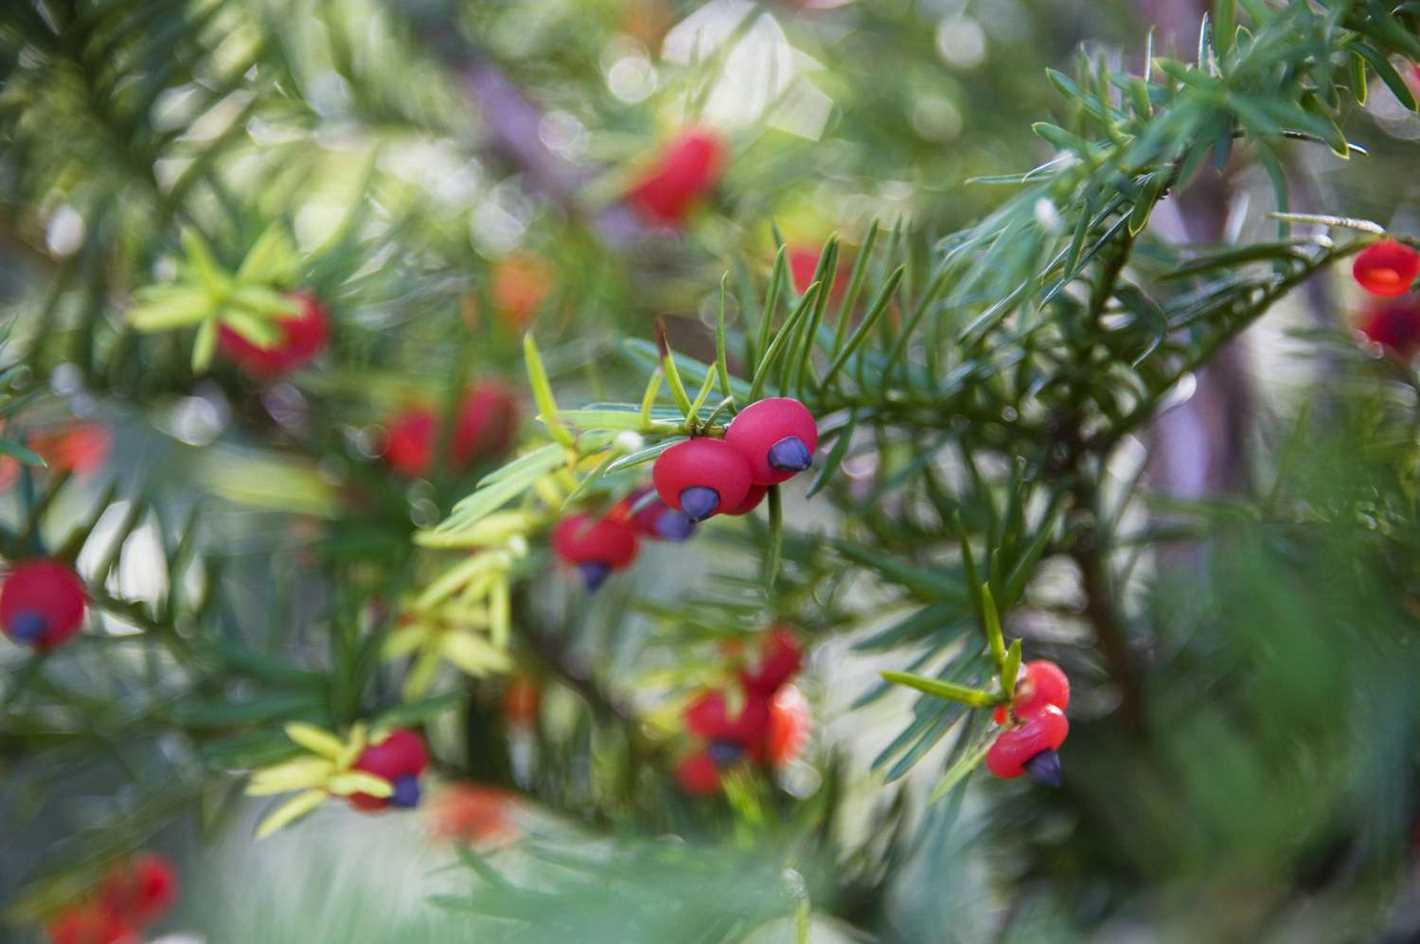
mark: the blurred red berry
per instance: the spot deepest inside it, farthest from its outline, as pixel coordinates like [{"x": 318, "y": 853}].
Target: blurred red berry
[
  {"x": 521, "y": 701},
  {"x": 702, "y": 477},
  {"x": 1040, "y": 683},
  {"x": 487, "y": 422},
  {"x": 698, "y": 774},
  {"x": 1021, "y": 748},
  {"x": 788, "y": 725},
  {"x": 409, "y": 442},
  {"x": 91, "y": 924},
  {"x": 685, "y": 171},
  {"x": 780, "y": 658},
  {"x": 803, "y": 263},
  {"x": 777, "y": 436},
  {"x": 1394, "y": 324},
  {"x": 521, "y": 283},
  {"x": 1386, "y": 268},
  {"x": 473, "y": 814},
  {"x": 42, "y": 603},
  {"x": 80, "y": 448},
  {"x": 708, "y": 716},
  {"x": 142, "y": 891},
  {"x": 595, "y": 546},
  {"x": 399, "y": 758},
  {"x": 303, "y": 335}
]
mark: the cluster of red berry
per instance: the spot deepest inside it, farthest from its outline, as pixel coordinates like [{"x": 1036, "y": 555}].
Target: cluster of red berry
[
  {"x": 770, "y": 727},
  {"x": 1035, "y": 726},
  {"x": 768, "y": 442},
  {"x": 399, "y": 758},
  {"x": 130, "y": 898},
  {"x": 42, "y": 603},
  {"x": 486, "y": 422},
  {"x": 1387, "y": 269}
]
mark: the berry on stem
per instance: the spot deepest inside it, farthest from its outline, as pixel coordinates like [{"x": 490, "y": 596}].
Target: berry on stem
[
  {"x": 1394, "y": 324},
  {"x": 1040, "y": 683},
  {"x": 1386, "y": 268},
  {"x": 400, "y": 758},
  {"x": 685, "y": 171},
  {"x": 42, "y": 603},
  {"x": 142, "y": 892},
  {"x": 1018, "y": 749},
  {"x": 752, "y": 501},
  {"x": 303, "y": 336},
  {"x": 777, "y": 435},
  {"x": 702, "y": 477},
  {"x": 595, "y": 546}
]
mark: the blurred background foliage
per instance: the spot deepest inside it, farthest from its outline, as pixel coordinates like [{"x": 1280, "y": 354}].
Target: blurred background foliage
[{"x": 1233, "y": 589}]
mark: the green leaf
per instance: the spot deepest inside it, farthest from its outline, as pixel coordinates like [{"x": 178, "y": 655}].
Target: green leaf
[
  {"x": 1010, "y": 669},
  {"x": 542, "y": 393},
  {"x": 991, "y": 624},
  {"x": 628, "y": 419},
  {"x": 967, "y": 761},
  {"x": 204, "y": 346},
  {"x": 843, "y": 439},
  {"x": 860, "y": 333},
  {"x": 781, "y": 342},
  {"x": 272, "y": 259},
  {"x": 17, "y": 450},
  {"x": 971, "y": 697},
  {"x": 164, "y": 307},
  {"x": 642, "y": 456},
  {"x": 543, "y": 459},
  {"x": 1387, "y": 74}
]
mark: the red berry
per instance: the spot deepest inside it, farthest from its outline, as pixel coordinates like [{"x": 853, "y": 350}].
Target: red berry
[
  {"x": 1022, "y": 743},
  {"x": 708, "y": 716},
  {"x": 42, "y": 603},
  {"x": 1394, "y": 324},
  {"x": 788, "y": 725},
  {"x": 79, "y": 447},
  {"x": 1386, "y": 268},
  {"x": 752, "y": 499},
  {"x": 409, "y": 442},
  {"x": 778, "y": 436},
  {"x": 702, "y": 477},
  {"x": 400, "y": 758},
  {"x": 1040, "y": 683},
  {"x": 686, "y": 170},
  {"x": 303, "y": 336},
  {"x": 595, "y": 546},
  {"x": 653, "y": 518},
  {"x": 90, "y": 924},
  {"x": 487, "y": 421},
  {"x": 140, "y": 893},
  {"x": 780, "y": 659},
  {"x": 752, "y": 726},
  {"x": 698, "y": 774}
]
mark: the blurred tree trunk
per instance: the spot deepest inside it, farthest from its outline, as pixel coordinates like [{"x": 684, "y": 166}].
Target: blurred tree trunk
[{"x": 1199, "y": 448}]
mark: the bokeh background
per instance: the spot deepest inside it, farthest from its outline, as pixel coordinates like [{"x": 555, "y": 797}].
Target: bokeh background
[{"x": 452, "y": 174}]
